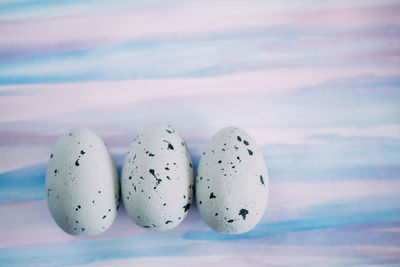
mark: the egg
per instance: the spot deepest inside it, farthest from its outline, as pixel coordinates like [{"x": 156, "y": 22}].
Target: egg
[
  {"x": 232, "y": 184},
  {"x": 157, "y": 179},
  {"x": 82, "y": 185}
]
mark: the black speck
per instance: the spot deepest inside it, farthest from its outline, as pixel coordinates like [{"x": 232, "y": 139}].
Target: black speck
[
  {"x": 55, "y": 171},
  {"x": 245, "y": 142},
  {"x": 51, "y": 155},
  {"x": 190, "y": 165},
  {"x": 83, "y": 152},
  {"x": 79, "y": 206},
  {"x": 243, "y": 213},
  {"x": 151, "y": 155},
  {"x": 219, "y": 161},
  {"x": 76, "y": 221},
  {"x": 167, "y": 168},
  {"x": 168, "y": 131},
  {"x": 230, "y": 221},
  {"x": 165, "y": 204},
  {"x": 168, "y": 177},
  {"x": 187, "y": 207},
  {"x": 92, "y": 201},
  {"x": 70, "y": 134},
  {"x": 212, "y": 195},
  {"x": 167, "y": 222},
  {"x": 83, "y": 229},
  {"x": 99, "y": 192},
  {"x": 104, "y": 216},
  {"x": 239, "y": 139},
  {"x": 170, "y": 146},
  {"x": 250, "y": 152},
  {"x": 109, "y": 210},
  {"x": 216, "y": 214},
  {"x": 77, "y": 163},
  {"x": 146, "y": 226},
  {"x": 200, "y": 202},
  {"x": 262, "y": 179},
  {"x": 130, "y": 177},
  {"x": 158, "y": 180}
]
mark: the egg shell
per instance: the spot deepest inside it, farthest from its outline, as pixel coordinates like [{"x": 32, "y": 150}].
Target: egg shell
[
  {"x": 157, "y": 179},
  {"x": 232, "y": 184},
  {"x": 82, "y": 184}
]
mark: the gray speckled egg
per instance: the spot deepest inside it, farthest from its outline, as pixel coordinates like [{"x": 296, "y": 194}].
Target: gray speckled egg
[
  {"x": 232, "y": 184},
  {"x": 157, "y": 179},
  {"x": 82, "y": 184}
]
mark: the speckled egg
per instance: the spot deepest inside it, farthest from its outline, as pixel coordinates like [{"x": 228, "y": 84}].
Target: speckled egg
[
  {"x": 157, "y": 179},
  {"x": 232, "y": 184},
  {"x": 82, "y": 184}
]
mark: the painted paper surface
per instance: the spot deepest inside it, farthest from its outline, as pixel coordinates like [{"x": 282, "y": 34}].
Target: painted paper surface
[{"x": 317, "y": 84}]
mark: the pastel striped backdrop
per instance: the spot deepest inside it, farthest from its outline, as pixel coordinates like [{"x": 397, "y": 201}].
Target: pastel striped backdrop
[{"x": 316, "y": 83}]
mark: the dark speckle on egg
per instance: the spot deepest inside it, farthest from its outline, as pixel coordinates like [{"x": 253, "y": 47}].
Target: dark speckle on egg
[
  {"x": 187, "y": 207},
  {"x": 243, "y": 213}
]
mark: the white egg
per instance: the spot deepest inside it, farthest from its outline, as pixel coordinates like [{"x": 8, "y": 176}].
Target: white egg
[
  {"x": 232, "y": 184},
  {"x": 157, "y": 179},
  {"x": 82, "y": 184}
]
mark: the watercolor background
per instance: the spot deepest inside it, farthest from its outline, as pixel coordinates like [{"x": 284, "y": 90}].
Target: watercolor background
[{"x": 316, "y": 83}]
